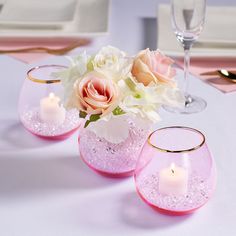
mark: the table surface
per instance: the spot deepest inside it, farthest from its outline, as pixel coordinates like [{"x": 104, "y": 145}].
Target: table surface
[{"x": 45, "y": 189}]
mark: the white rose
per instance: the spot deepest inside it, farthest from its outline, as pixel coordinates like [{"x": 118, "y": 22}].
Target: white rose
[
  {"x": 77, "y": 69},
  {"x": 112, "y": 62}
]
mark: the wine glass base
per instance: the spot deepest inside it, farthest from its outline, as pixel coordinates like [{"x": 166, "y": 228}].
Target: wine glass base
[{"x": 193, "y": 104}]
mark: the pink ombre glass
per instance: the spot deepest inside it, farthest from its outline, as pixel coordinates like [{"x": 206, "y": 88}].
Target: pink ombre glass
[
  {"x": 175, "y": 173},
  {"x": 109, "y": 159},
  {"x": 40, "y": 83}
]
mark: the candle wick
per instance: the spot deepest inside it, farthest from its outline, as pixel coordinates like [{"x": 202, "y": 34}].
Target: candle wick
[{"x": 172, "y": 171}]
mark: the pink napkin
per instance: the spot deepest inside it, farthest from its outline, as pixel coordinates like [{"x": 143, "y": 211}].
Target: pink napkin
[
  {"x": 200, "y": 65},
  {"x": 20, "y": 43}
]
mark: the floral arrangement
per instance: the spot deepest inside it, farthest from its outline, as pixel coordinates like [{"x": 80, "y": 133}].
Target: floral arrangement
[{"x": 110, "y": 86}]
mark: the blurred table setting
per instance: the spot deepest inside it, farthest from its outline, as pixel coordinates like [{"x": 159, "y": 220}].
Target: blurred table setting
[
  {"x": 45, "y": 187},
  {"x": 214, "y": 50},
  {"x": 32, "y": 25}
]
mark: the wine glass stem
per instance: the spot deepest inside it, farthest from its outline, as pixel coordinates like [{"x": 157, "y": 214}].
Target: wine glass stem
[{"x": 186, "y": 72}]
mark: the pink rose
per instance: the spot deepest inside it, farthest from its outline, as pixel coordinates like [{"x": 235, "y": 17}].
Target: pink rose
[
  {"x": 94, "y": 94},
  {"x": 153, "y": 66}
]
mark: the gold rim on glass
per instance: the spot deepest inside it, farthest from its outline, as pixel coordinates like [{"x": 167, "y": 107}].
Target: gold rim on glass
[
  {"x": 177, "y": 151},
  {"x": 32, "y": 78}
]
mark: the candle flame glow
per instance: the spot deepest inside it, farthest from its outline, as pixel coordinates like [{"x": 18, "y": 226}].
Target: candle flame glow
[{"x": 51, "y": 95}]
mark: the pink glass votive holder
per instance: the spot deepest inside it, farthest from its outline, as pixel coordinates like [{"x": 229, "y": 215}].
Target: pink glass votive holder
[
  {"x": 109, "y": 159},
  {"x": 175, "y": 173},
  {"x": 41, "y": 107}
]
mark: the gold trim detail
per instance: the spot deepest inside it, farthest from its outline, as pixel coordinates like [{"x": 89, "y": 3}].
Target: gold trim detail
[
  {"x": 177, "y": 151},
  {"x": 41, "y": 81}
]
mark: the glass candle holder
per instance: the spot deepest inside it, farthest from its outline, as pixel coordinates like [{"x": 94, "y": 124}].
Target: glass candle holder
[
  {"x": 41, "y": 107},
  {"x": 110, "y": 159},
  {"x": 175, "y": 173}
]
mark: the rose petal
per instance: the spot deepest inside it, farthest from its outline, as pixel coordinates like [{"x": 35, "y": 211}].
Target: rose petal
[
  {"x": 153, "y": 66},
  {"x": 92, "y": 93},
  {"x": 165, "y": 79},
  {"x": 95, "y": 94},
  {"x": 96, "y": 104},
  {"x": 142, "y": 73}
]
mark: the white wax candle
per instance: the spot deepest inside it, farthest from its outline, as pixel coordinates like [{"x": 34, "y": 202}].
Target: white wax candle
[
  {"x": 51, "y": 111},
  {"x": 173, "y": 180}
]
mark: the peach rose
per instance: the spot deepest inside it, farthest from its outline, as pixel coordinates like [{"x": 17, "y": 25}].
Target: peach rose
[
  {"x": 153, "y": 66},
  {"x": 94, "y": 94}
]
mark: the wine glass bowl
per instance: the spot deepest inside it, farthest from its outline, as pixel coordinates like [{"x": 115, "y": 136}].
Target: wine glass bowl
[
  {"x": 188, "y": 17},
  {"x": 188, "y": 20},
  {"x": 175, "y": 173}
]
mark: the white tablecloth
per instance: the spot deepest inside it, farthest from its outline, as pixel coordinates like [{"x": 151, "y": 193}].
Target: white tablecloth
[{"x": 46, "y": 190}]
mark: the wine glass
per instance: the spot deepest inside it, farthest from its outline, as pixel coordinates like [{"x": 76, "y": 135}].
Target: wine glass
[
  {"x": 188, "y": 18},
  {"x": 176, "y": 172}
]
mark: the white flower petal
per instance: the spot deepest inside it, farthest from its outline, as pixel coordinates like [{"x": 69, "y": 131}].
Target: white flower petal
[
  {"x": 153, "y": 116},
  {"x": 113, "y": 63},
  {"x": 77, "y": 69},
  {"x": 114, "y": 130}
]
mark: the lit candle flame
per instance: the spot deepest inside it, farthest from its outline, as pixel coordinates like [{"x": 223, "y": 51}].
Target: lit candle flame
[{"x": 51, "y": 95}]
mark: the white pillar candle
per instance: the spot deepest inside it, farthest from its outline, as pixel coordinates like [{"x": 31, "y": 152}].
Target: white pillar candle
[
  {"x": 173, "y": 180},
  {"x": 51, "y": 111}
]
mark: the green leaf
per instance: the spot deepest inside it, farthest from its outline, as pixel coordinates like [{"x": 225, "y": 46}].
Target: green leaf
[
  {"x": 137, "y": 95},
  {"x": 82, "y": 114},
  {"x": 90, "y": 64},
  {"x": 92, "y": 118},
  {"x": 129, "y": 82},
  {"x": 118, "y": 111},
  {"x": 86, "y": 123}
]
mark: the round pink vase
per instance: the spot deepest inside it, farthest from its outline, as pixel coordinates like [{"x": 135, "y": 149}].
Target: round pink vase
[
  {"x": 176, "y": 172},
  {"x": 35, "y": 94},
  {"x": 109, "y": 159}
]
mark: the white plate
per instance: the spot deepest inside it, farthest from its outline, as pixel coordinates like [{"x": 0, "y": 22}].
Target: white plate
[
  {"x": 90, "y": 19},
  {"x": 37, "y": 13},
  {"x": 218, "y": 38}
]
